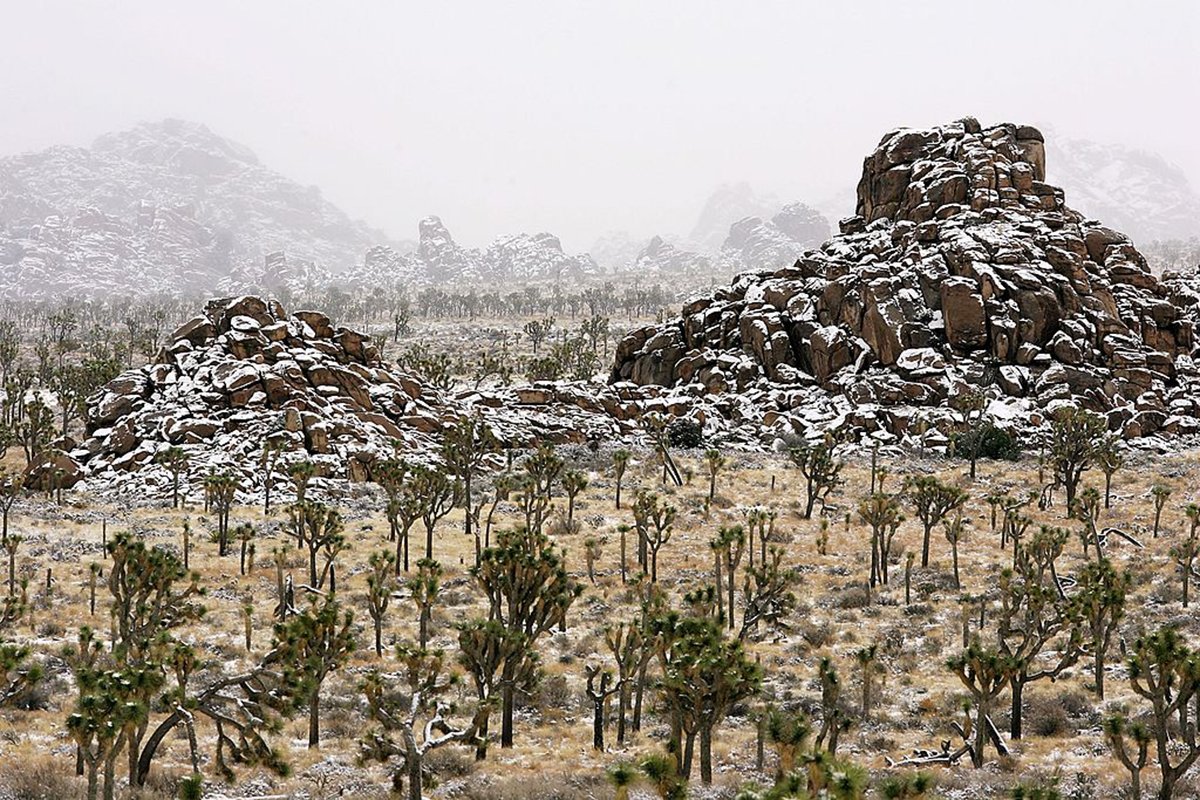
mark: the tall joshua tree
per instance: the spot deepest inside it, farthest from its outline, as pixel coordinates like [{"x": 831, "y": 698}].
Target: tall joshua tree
[
  {"x": 466, "y": 444},
  {"x": 932, "y": 500},
  {"x": 529, "y": 592},
  {"x": 620, "y": 463},
  {"x": 420, "y": 724},
  {"x": 315, "y": 643}
]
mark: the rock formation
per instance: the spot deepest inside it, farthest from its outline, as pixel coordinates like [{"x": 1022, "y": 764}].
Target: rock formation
[
  {"x": 245, "y": 372},
  {"x": 167, "y": 208},
  {"x": 962, "y": 267},
  {"x": 776, "y": 242}
]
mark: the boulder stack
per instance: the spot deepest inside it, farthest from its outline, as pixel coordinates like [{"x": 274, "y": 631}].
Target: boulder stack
[
  {"x": 961, "y": 267},
  {"x": 245, "y": 372}
]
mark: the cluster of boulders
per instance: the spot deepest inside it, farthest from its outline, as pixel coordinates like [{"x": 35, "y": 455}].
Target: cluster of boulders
[
  {"x": 962, "y": 268},
  {"x": 243, "y": 373}
]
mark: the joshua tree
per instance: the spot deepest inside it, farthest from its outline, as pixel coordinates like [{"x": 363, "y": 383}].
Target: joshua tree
[
  {"x": 300, "y": 473},
  {"x": 426, "y": 682},
  {"x": 108, "y": 711},
  {"x": 655, "y": 523},
  {"x": 727, "y": 548},
  {"x": 1124, "y": 737},
  {"x": 496, "y": 657},
  {"x": 317, "y": 528},
  {"x": 10, "y": 546},
  {"x": 788, "y": 732},
  {"x": 834, "y": 718},
  {"x": 466, "y": 444},
  {"x": 620, "y": 463},
  {"x": 986, "y": 673},
  {"x": 1110, "y": 459},
  {"x": 543, "y": 467},
  {"x": 176, "y": 462},
  {"x": 868, "y": 662},
  {"x": 768, "y": 597},
  {"x": 245, "y": 535},
  {"x": 591, "y": 552},
  {"x": 627, "y": 642},
  {"x": 882, "y": 513},
  {"x": 971, "y": 404},
  {"x": 152, "y": 594},
  {"x": 35, "y": 431},
  {"x": 714, "y": 462},
  {"x": 621, "y": 776},
  {"x": 271, "y": 451},
  {"x": 424, "y": 588},
  {"x": 573, "y": 482},
  {"x": 1161, "y": 494},
  {"x": 1075, "y": 436},
  {"x": 381, "y": 583},
  {"x": 1099, "y": 605},
  {"x": 932, "y": 500},
  {"x": 313, "y": 644},
  {"x": 955, "y": 529},
  {"x": 1186, "y": 551},
  {"x": 434, "y": 493},
  {"x": 821, "y": 471},
  {"x": 600, "y": 688},
  {"x": 1165, "y": 673},
  {"x": 528, "y": 591},
  {"x": 704, "y": 675},
  {"x": 11, "y": 486},
  {"x": 221, "y": 489},
  {"x": 1034, "y": 618},
  {"x": 663, "y": 773}
]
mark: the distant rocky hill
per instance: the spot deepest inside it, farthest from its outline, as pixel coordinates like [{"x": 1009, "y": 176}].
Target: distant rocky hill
[
  {"x": 757, "y": 233},
  {"x": 727, "y": 205},
  {"x": 440, "y": 259},
  {"x": 1132, "y": 190},
  {"x": 962, "y": 268},
  {"x": 163, "y": 207},
  {"x": 172, "y": 208}
]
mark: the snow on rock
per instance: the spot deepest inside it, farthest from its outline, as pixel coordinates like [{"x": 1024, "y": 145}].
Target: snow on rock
[{"x": 962, "y": 267}]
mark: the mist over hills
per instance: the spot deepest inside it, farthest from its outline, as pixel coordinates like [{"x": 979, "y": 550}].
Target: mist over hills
[{"x": 172, "y": 207}]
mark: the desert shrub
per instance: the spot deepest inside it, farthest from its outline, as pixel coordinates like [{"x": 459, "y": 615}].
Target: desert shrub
[
  {"x": 553, "y": 693},
  {"x": 450, "y": 762},
  {"x": 853, "y": 597},
  {"x": 549, "y": 787},
  {"x": 993, "y": 441},
  {"x": 685, "y": 433},
  {"x": 1046, "y": 715},
  {"x": 37, "y": 778},
  {"x": 817, "y": 634}
]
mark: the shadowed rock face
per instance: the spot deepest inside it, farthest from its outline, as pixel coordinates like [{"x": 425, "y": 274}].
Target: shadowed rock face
[{"x": 961, "y": 267}]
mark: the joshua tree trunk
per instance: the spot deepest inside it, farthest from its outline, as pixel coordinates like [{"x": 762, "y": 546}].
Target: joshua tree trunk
[
  {"x": 506, "y": 715},
  {"x": 1017, "y": 686},
  {"x": 412, "y": 763},
  {"x": 706, "y": 769},
  {"x": 314, "y": 717}
]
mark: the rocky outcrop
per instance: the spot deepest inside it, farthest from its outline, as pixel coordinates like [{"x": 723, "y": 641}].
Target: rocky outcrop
[
  {"x": 168, "y": 208},
  {"x": 660, "y": 257},
  {"x": 245, "y": 372},
  {"x": 439, "y": 259},
  {"x": 962, "y": 267},
  {"x": 755, "y": 243}
]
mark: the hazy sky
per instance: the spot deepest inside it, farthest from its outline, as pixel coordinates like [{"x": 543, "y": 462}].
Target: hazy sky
[{"x": 581, "y": 117}]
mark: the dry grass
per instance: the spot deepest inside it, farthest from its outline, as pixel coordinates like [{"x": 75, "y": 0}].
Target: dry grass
[{"x": 553, "y": 749}]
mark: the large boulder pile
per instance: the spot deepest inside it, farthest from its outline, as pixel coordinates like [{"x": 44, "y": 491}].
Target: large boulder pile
[
  {"x": 245, "y": 372},
  {"x": 961, "y": 268}
]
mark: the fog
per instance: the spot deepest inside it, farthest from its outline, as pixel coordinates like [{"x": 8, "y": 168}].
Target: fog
[{"x": 579, "y": 118}]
